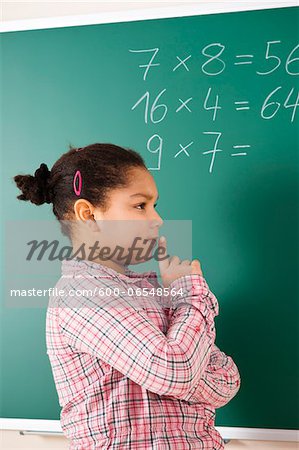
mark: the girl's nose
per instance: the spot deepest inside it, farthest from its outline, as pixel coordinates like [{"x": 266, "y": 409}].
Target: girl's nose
[{"x": 158, "y": 221}]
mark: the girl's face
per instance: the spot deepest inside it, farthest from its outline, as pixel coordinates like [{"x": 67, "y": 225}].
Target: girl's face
[{"x": 131, "y": 219}]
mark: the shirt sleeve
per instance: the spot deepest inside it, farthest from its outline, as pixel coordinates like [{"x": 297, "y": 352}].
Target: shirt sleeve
[
  {"x": 219, "y": 383},
  {"x": 124, "y": 337}
]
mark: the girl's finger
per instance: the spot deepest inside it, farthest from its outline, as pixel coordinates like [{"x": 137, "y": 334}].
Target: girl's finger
[
  {"x": 174, "y": 260},
  {"x": 186, "y": 262},
  {"x": 163, "y": 262},
  {"x": 196, "y": 269}
]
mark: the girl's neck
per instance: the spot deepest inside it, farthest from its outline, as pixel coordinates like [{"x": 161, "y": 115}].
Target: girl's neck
[{"x": 109, "y": 262}]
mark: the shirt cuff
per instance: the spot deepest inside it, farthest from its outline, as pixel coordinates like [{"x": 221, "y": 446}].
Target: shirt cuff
[{"x": 193, "y": 289}]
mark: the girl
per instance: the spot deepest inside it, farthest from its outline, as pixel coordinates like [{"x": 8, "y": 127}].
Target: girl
[{"x": 131, "y": 371}]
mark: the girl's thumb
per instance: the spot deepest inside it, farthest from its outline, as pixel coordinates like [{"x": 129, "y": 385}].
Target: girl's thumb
[{"x": 196, "y": 269}]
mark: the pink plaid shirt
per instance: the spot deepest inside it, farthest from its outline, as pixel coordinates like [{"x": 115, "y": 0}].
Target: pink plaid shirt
[{"x": 136, "y": 372}]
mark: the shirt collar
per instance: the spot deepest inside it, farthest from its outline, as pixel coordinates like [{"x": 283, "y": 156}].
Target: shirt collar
[{"x": 73, "y": 266}]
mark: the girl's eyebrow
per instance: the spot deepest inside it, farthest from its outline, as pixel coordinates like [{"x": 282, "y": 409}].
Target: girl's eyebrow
[{"x": 149, "y": 197}]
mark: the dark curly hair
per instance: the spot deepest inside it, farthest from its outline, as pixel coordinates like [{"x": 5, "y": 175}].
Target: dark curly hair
[{"x": 103, "y": 167}]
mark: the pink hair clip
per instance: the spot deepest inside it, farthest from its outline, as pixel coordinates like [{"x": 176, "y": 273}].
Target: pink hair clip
[{"x": 78, "y": 176}]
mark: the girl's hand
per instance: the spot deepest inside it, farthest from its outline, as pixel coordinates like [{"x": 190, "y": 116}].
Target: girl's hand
[{"x": 172, "y": 268}]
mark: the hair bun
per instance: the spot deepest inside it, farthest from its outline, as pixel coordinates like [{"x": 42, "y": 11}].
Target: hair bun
[{"x": 36, "y": 188}]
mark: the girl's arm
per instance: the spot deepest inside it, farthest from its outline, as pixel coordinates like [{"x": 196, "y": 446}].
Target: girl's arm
[
  {"x": 113, "y": 330},
  {"x": 219, "y": 383}
]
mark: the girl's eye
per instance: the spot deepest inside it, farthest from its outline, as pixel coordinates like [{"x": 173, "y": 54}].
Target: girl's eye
[{"x": 143, "y": 204}]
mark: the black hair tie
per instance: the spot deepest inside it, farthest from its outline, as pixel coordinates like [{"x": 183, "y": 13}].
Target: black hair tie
[{"x": 42, "y": 175}]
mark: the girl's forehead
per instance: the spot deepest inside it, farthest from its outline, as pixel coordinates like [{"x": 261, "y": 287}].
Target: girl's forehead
[
  {"x": 143, "y": 184},
  {"x": 140, "y": 176},
  {"x": 137, "y": 192}
]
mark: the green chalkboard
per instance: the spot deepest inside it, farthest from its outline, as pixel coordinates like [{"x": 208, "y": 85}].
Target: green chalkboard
[{"x": 211, "y": 104}]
